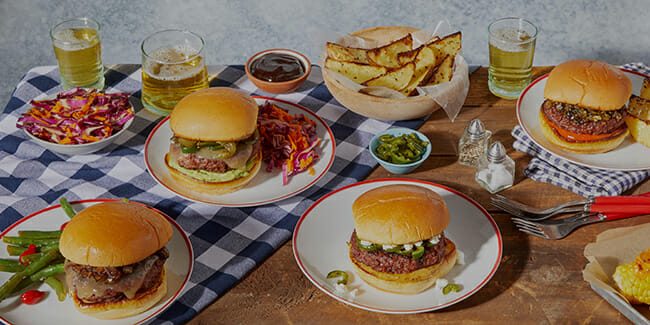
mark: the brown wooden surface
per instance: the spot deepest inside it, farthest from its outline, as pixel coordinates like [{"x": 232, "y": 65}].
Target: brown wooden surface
[{"x": 538, "y": 281}]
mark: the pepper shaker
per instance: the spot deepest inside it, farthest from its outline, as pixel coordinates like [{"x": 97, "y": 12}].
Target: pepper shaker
[
  {"x": 495, "y": 171},
  {"x": 473, "y": 143}
]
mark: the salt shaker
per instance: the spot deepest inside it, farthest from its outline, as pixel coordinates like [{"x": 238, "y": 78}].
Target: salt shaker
[
  {"x": 495, "y": 171},
  {"x": 473, "y": 143}
]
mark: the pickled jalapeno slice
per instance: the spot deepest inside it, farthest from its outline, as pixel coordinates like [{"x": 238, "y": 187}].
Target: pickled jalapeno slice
[{"x": 402, "y": 149}]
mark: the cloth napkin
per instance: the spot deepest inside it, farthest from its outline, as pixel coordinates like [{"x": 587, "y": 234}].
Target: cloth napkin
[
  {"x": 227, "y": 242},
  {"x": 588, "y": 182}
]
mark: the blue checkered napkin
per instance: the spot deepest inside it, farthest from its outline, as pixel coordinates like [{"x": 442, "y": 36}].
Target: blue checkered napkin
[
  {"x": 546, "y": 167},
  {"x": 227, "y": 242}
]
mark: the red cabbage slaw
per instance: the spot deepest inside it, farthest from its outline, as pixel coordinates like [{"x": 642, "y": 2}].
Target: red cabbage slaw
[
  {"x": 288, "y": 141},
  {"x": 77, "y": 116}
]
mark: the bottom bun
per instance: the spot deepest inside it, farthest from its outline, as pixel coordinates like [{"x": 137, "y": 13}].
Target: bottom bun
[
  {"x": 407, "y": 283},
  {"x": 214, "y": 188},
  {"x": 639, "y": 129},
  {"x": 127, "y": 307},
  {"x": 579, "y": 147}
]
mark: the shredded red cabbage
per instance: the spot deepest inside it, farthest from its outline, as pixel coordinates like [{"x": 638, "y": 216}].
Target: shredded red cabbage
[{"x": 77, "y": 116}]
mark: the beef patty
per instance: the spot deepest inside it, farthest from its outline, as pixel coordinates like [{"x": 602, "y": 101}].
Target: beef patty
[
  {"x": 582, "y": 120},
  {"x": 382, "y": 261}
]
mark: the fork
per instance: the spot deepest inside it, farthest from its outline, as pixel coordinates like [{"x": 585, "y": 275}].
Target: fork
[
  {"x": 560, "y": 228},
  {"x": 639, "y": 204},
  {"x": 532, "y": 213}
]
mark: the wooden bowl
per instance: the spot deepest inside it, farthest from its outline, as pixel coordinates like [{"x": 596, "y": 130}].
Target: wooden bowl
[{"x": 378, "y": 107}]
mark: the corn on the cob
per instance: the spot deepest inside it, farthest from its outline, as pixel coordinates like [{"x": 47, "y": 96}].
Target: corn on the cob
[{"x": 633, "y": 279}]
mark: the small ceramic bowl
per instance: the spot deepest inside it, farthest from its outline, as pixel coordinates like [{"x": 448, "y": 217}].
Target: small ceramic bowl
[
  {"x": 400, "y": 168},
  {"x": 79, "y": 149},
  {"x": 281, "y": 87}
]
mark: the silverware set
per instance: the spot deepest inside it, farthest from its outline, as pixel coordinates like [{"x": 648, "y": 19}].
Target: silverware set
[{"x": 540, "y": 222}]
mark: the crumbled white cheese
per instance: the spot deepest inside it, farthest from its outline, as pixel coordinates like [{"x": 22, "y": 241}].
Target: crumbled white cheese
[
  {"x": 344, "y": 291},
  {"x": 435, "y": 239},
  {"x": 408, "y": 247},
  {"x": 441, "y": 283},
  {"x": 386, "y": 247},
  {"x": 418, "y": 244},
  {"x": 460, "y": 259},
  {"x": 365, "y": 243}
]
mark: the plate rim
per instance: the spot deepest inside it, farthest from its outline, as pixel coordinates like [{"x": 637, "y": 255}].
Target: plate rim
[
  {"x": 412, "y": 311},
  {"x": 528, "y": 133},
  {"x": 95, "y": 201},
  {"x": 288, "y": 195}
]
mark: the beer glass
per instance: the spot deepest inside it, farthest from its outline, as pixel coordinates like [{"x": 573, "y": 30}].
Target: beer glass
[
  {"x": 512, "y": 46},
  {"x": 172, "y": 67},
  {"x": 78, "y": 50}
]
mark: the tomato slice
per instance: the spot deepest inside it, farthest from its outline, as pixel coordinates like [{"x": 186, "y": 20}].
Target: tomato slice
[{"x": 579, "y": 137}]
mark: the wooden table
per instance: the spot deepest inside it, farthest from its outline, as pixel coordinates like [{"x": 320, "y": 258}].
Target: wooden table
[{"x": 538, "y": 282}]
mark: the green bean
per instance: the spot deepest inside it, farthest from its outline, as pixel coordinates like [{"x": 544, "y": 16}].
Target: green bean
[
  {"x": 12, "y": 268},
  {"x": 39, "y": 234},
  {"x": 8, "y": 262},
  {"x": 15, "y": 279},
  {"x": 26, "y": 282},
  {"x": 67, "y": 207},
  {"x": 47, "y": 272},
  {"x": 15, "y": 250},
  {"x": 29, "y": 259},
  {"x": 57, "y": 286},
  {"x": 25, "y": 242}
]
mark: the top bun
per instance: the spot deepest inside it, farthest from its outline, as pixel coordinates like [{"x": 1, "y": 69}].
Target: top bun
[
  {"x": 215, "y": 114},
  {"x": 587, "y": 83},
  {"x": 399, "y": 214},
  {"x": 114, "y": 234}
]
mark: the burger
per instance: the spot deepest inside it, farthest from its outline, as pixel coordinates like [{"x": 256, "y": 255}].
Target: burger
[
  {"x": 216, "y": 146},
  {"x": 584, "y": 111},
  {"x": 115, "y": 259},
  {"x": 398, "y": 244}
]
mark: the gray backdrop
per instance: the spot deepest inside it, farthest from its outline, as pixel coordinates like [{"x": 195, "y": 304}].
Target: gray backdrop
[{"x": 613, "y": 31}]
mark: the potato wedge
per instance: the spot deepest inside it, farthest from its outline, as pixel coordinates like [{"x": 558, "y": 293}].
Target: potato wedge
[
  {"x": 387, "y": 55},
  {"x": 356, "y": 72},
  {"x": 639, "y": 107},
  {"x": 350, "y": 54},
  {"x": 408, "y": 56},
  {"x": 448, "y": 45},
  {"x": 424, "y": 68},
  {"x": 645, "y": 90},
  {"x": 443, "y": 71},
  {"x": 395, "y": 79}
]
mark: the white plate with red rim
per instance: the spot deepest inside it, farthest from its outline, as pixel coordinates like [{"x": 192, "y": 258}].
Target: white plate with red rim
[
  {"x": 320, "y": 246},
  {"x": 629, "y": 155},
  {"x": 266, "y": 187},
  {"x": 51, "y": 311}
]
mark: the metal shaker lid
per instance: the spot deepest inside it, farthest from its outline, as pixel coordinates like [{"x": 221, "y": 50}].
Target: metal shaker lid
[
  {"x": 496, "y": 152},
  {"x": 476, "y": 130}
]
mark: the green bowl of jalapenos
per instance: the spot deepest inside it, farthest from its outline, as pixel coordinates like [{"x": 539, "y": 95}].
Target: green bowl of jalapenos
[{"x": 400, "y": 150}]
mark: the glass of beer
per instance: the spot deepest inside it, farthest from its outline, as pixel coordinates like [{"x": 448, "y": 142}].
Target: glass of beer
[
  {"x": 78, "y": 50},
  {"x": 512, "y": 46},
  {"x": 172, "y": 67}
]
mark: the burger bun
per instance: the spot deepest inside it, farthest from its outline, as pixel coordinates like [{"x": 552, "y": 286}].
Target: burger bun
[{"x": 411, "y": 212}]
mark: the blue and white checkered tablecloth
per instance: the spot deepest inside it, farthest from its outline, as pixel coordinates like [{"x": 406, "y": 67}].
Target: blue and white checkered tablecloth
[{"x": 227, "y": 242}]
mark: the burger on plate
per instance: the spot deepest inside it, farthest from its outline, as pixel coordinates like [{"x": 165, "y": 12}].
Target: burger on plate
[
  {"x": 398, "y": 244},
  {"x": 115, "y": 259},
  {"x": 584, "y": 111},
  {"x": 215, "y": 148}
]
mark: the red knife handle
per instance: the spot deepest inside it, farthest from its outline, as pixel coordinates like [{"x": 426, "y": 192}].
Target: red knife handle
[
  {"x": 619, "y": 208},
  {"x": 623, "y": 200},
  {"x": 616, "y": 216}
]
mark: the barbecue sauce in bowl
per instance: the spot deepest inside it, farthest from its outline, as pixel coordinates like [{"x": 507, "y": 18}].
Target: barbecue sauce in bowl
[{"x": 277, "y": 67}]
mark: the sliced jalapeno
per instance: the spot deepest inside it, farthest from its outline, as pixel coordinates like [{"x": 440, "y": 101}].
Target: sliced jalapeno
[
  {"x": 371, "y": 247},
  {"x": 185, "y": 149},
  {"x": 338, "y": 274},
  {"x": 418, "y": 252}
]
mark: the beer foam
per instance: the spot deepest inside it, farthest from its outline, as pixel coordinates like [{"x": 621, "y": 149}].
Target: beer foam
[
  {"x": 173, "y": 71},
  {"x": 70, "y": 39},
  {"x": 510, "y": 40}
]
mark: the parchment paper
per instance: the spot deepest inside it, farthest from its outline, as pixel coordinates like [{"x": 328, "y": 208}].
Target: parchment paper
[
  {"x": 612, "y": 248},
  {"x": 449, "y": 95}
]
